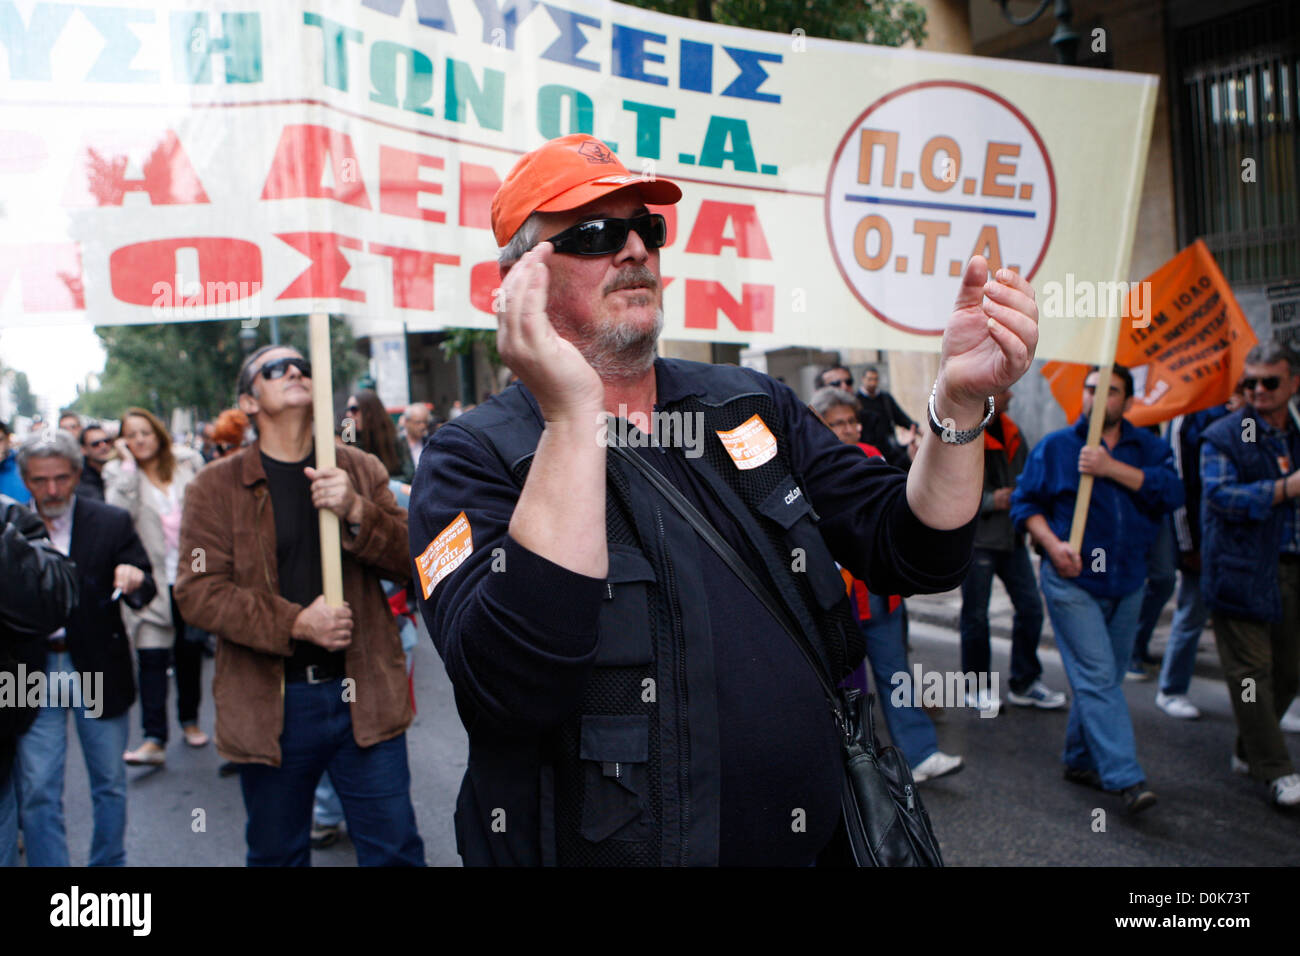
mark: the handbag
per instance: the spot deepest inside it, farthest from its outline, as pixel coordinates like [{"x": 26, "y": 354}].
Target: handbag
[{"x": 884, "y": 818}]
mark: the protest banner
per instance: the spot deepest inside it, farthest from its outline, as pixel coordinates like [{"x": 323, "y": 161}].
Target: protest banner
[
  {"x": 1184, "y": 337},
  {"x": 166, "y": 160},
  {"x": 1188, "y": 356}
]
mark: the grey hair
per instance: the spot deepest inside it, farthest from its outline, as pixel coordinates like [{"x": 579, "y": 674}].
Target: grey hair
[
  {"x": 50, "y": 443},
  {"x": 824, "y": 399},
  {"x": 1274, "y": 350},
  {"x": 525, "y": 237}
]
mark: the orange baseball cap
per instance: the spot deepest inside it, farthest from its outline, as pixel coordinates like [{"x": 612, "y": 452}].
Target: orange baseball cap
[{"x": 566, "y": 173}]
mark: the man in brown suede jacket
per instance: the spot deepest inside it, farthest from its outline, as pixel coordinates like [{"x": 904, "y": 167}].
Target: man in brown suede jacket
[{"x": 301, "y": 687}]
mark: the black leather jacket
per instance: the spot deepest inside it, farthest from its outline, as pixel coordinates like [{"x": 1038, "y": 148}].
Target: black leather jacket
[{"x": 38, "y": 590}]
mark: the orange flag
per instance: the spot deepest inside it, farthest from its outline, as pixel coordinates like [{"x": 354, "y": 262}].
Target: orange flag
[{"x": 1184, "y": 325}]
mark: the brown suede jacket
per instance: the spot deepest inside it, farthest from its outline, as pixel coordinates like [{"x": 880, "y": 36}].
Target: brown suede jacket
[{"x": 231, "y": 588}]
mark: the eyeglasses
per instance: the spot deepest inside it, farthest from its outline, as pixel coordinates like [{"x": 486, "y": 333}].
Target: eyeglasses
[
  {"x": 1269, "y": 383},
  {"x": 100, "y": 441},
  {"x": 278, "y": 367},
  {"x": 600, "y": 237},
  {"x": 837, "y": 382}
]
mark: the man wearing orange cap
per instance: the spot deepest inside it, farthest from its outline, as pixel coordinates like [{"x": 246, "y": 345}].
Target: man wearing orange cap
[{"x": 629, "y": 699}]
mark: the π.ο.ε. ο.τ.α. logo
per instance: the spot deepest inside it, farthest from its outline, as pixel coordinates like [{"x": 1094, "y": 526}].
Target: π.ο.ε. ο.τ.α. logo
[{"x": 926, "y": 177}]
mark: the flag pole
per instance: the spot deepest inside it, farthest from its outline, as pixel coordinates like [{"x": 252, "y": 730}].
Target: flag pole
[
  {"x": 1110, "y": 337},
  {"x": 322, "y": 403}
]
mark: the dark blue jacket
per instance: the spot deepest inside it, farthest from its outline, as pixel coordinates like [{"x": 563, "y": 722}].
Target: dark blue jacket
[
  {"x": 571, "y": 758},
  {"x": 1122, "y": 524},
  {"x": 1239, "y": 549},
  {"x": 1185, "y": 434}
]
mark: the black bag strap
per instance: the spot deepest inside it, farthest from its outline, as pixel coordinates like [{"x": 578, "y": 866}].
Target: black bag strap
[{"x": 740, "y": 568}]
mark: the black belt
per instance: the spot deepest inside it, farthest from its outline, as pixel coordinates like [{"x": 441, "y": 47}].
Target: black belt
[{"x": 314, "y": 673}]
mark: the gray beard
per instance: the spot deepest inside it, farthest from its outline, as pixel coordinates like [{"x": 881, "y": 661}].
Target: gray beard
[{"x": 621, "y": 352}]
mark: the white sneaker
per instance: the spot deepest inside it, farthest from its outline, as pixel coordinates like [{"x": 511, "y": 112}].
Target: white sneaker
[
  {"x": 1290, "y": 722},
  {"x": 984, "y": 702},
  {"x": 1037, "y": 695},
  {"x": 1240, "y": 766},
  {"x": 938, "y": 764},
  {"x": 1177, "y": 705},
  {"x": 1285, "y": 791}
]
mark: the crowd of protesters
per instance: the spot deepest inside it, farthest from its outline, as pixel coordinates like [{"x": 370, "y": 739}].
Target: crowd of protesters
[{"x": 573, "y": 608}]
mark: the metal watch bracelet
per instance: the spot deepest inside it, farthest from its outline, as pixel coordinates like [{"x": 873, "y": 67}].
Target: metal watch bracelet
[{"x": 956, "y": 436}]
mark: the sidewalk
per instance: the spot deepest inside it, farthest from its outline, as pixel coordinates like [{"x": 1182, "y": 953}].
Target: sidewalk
[{"x": 944, "y": 610}]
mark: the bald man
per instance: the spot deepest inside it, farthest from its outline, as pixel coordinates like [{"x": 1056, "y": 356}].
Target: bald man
[{"x": 416, "y": 423}]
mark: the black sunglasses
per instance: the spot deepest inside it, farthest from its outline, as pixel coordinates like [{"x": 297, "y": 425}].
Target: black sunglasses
[
  {"x": 837, "y": 382},
  {"x": 278, "y": 367},
  {"x": 1269, "y": 383},
  {"x": 100, "y": 441},
  {"x": 600, "y": 237}
]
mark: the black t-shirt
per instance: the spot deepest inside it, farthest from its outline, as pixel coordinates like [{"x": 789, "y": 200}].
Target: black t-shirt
[
  {"x": 777, "y": 739},
  {"x": 297, "y": 547}
]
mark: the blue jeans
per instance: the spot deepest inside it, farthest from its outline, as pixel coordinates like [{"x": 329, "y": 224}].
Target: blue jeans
[
  {"x": 327, "y": 810},
  {"x": 42, "y": 753},
  {"x": 8, "y": 822},
  {"x": 909, "y": 727},
  {"x": 1095, "y": 637},
  {"x": 1189, "y": 621},
  {"x": 1162, "y": 576},
  {"x": 1017, "y": 575},
  {"x": 373, "y": 783}
]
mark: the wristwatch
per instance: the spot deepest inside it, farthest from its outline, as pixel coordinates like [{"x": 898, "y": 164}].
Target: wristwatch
[{"x": 956, "y": 436}]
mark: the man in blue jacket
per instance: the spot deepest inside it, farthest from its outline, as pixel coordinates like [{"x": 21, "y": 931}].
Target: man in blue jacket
[
  {"x": 1250, "y": 546},
  {"x": 1094, "y": 596}
]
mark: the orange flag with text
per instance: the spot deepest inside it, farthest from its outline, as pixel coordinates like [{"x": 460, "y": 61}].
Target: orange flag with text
[{"x": 1186, "y": 328}]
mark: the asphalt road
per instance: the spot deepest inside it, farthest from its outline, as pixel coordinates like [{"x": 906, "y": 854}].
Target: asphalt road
[{"x": 1009, "y": 806}]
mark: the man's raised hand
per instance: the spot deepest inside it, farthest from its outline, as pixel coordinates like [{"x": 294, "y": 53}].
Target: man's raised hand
[
  {"x": 563, "y": 382},
  {"x": 990, "y": 340}
]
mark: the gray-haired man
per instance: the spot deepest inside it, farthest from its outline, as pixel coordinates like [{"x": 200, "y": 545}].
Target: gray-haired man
[{"x": 88, "y": 667}]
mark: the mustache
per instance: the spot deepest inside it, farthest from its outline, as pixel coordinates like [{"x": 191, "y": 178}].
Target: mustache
[{"x": 632, "y": 277}]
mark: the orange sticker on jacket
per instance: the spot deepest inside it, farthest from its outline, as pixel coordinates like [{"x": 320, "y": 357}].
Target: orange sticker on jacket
[
  {"x": 445, "y": 553},
  {"x": 750, "y": 444}
]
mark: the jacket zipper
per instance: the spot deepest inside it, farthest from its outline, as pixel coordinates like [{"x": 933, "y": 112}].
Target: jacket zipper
[{"x": 683, "y": 755}]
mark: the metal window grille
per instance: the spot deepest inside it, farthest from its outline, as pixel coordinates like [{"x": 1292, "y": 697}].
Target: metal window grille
[{"x": 1237, "y": 84}]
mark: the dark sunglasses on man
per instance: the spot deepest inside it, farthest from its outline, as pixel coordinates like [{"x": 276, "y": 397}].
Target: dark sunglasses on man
[
  {"x": 837, "y": 382},
  {"x": 1270, "y": 383},
  {"x": 99, "y": 442},
  {"x": 600, "y": 237},
  {"x": 277, "y": 368}
]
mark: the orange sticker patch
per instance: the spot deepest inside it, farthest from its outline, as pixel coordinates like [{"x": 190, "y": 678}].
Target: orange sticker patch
[
  {"x": 750, "y": 443},
  {"x": 445, "y": 553}
]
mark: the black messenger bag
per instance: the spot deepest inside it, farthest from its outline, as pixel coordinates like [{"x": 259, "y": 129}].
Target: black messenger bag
[{"x": 885, "y": 821}]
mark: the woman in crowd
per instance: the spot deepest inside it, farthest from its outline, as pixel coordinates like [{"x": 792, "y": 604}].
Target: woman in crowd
[
  {"x": 149, "y": 481},
  {"x": 376, "y": 433},
  {"x": 881, "y": 619}
]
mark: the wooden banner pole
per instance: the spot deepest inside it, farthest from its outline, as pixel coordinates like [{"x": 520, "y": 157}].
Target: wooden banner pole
[
  {"x": 322, "y": 402},
  {"x": 1095, "y": 423}
]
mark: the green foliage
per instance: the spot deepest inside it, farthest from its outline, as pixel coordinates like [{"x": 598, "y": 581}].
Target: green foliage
[
  {"x": 24, "y": 400},
  {"x": 462, "y": 342},
  {"x": 194, "y": 364},
  {"x": 882, "y": 22}
]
